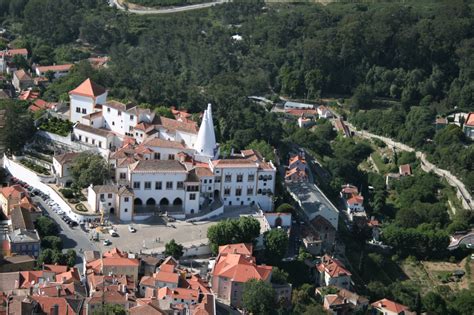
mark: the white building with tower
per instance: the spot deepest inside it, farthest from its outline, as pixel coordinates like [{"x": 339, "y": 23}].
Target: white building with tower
[{"x": 162, "y": 164}]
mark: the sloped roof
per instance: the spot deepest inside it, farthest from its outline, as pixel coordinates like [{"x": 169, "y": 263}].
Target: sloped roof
[
  {"x": 66, "y": 157},
  {"x": 88, "y": 89},
  {"x": 21, "y": 219},
  {"x": 172, "y": 124},
  {"x": 22, "y": 75},
  {"x": 162, "y": 143},
  {"x": 333, "y": 267},
  {"x": 390, "y": 305},
  {"x": 157, "y": 166},
  {"x": 240, "y": 248},
  {"x": 55, "y": 68},
  {"x": 240, "y": 268},
  {"x": 14, "y": 191}
]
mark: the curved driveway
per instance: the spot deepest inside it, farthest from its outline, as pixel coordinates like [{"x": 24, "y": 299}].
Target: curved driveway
[{"x": 147, "y": 10}]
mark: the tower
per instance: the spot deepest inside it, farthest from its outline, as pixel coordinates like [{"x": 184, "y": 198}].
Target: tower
[{"x": 206, "y": 140}]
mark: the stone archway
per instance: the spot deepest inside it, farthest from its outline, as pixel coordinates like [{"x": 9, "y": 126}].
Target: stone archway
[
  {"x": 137, "y": 202},
  {"x": 177, "y": 202},
  {"x": 151, "y": 202},
  {"x": 164, "y": 202}
]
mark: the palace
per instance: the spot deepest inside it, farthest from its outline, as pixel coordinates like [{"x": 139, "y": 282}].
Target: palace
[{"x": 163, "y": 164}]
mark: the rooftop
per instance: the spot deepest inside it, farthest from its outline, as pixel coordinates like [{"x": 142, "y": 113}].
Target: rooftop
[
  {"x": 156, "y": 166},
  {"x": 96, "y": 131},
  {"x": 88, "y": 89}
]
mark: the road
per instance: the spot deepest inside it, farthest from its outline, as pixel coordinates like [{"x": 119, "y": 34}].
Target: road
[
  {"x": 427, "y": 166},
  {"x": 147, "y": 10},
  {"x": 73, "y": 238}
]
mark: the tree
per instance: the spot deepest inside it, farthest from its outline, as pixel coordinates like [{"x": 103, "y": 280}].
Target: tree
[
  {"x": 164, "y": 111},
  {"x": 45, "y": 256},
  {"x": 46, "y": 226},
  {"x": 362, "y": 98},
  {"x": 434, "y": 303},
  {"x": 276, "y": 244},
  {"x": 18, "y": 126},
  {"x": 232, "y": 231},
  {"x": 285, "y": 208},
  {"x": 71, "y": 257},
  {"x": 264, "y": 148},
  {"x": 110, "y": 309},
  {"x": 173, "y": 249},
  {"x": 88, "y": 168},
  {"x": 258, "y": 297},
  {"x": 279, "y": 276},
  {"x": 52, "y": 242}
]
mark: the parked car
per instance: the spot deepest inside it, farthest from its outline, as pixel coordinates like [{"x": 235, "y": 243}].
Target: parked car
[
  {"x": 107, "y": 242},
  {"x": 131, "y": 229},
  {"x": 113, "y": 233}
]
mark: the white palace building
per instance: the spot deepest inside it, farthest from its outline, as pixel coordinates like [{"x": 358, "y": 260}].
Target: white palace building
[{"x": 162, "y": 164}]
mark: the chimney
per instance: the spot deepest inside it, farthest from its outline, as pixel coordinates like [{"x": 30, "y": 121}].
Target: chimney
[{"x": 54, "y": 309}]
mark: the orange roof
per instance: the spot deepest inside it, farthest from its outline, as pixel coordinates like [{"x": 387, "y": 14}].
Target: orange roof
[
  {"x": 47, "y": 303},
  {"x": 54, "y": 68},
  {"x": 178, "y": 293},
  {"x": 22, "y": 75},
  {"x": 297, "y": 158},
  {"x": 206, "y": 307},
  {"x": 169, "y": 277},
  {"x": 300, "y": 112},
  {"x": 405, "y": 169},
  {"x": 172, "y": 124},
  {"x": 162, "y": 143},
  {"x": 390, "y": 306},
  {"x": 197, "y": 283},
  {"x": 295, "y": 170},
  {"x": 28, "y": 95},
  {"x": 234, "y": 163},
  {"x": 88, "y": 89},
  {"x": 333, "y": 267},
  {"x": 115, "y": 252},
  {"x": 470, "y": 120},
  {"x": 13, "y": 52},
  {"x": 119, "y": 261},
  {"x": 355, "y": 199},
  {"x": 14, "y": 191},
  {"x": 241, "y": 248},
  {"x": 169, "y": 264},
  {"x": 240, "y": 268}
]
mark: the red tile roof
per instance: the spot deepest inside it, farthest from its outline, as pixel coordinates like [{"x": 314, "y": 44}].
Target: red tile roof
[
  {"x": 241, "y": 248},
  {"x": 405, "y": 169},
  {"x": 240, "y": 268},
  {"x": 47, "y": 303},
  {"x": 355, "y": 199},
  {"x": 169, "y": 277},
  {"x": 333, "y": 267},
  {"x": 14, "y": 191},
  {"x": 169, "y": 264},
  {"x": 55, "y": 68},
  {"x": 162, "y": 143},
  {"x": 28, "y": 95},
  {"x": 172, "y": 124},
  {"x": 470, "y": 120},
  {"x": 297, "y": 158},
  {"x": 88, "y": 89},
  {"x": 22, "y": 75},
  {"x": 390, "y": 306}
]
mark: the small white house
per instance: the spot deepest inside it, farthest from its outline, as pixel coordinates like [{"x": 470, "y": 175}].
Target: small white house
[
  {"x": 112, "y": 200},
  {"x": 324, "y": 112}
]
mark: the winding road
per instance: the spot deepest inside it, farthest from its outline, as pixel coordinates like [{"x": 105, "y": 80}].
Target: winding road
[
  {"x": 427, "y": 166},
  {"x": 146, "y": 10}
]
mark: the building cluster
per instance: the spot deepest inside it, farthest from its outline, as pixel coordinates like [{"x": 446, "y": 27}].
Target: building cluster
[
  {"x": 141, "y": 285},
  {"x": 306, "y": 114},
  {"x": 463, "y": 120},
  {"x": 18, "y": 235},
  {"x": 354, "y": 204},
  {"x": 297, "y": 169},
  {"x": 159, "y": 163}
]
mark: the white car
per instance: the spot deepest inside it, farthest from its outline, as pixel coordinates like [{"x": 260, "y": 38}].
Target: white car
[
  {"x": 131, "y": 229},
  {"x": 113, "y": 233},
  {"x": 107, "y": 242}
]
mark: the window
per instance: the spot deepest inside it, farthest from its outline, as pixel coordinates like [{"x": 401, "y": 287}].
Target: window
[
  {"x": 113, "y": 123},
  {"x": 100, "y": 144},
  {"x": 218, "y": 180},
  {"x": 80, "y": 137},
  {"x": 249, "y": 191},
  {"x": 136, "y": 185},
  {"x": 102, "y": 196},
  {"x": 126, "y": 210},
  {"x": 78, "y": 109},
  {"x": 269, "y": 177},
  {"x": 126, "y": 199},
  {"x": 130, "y": 128},
  {"x": 93, "y": 141},
  {"x": 169, "y": 185},
  {"x": 132, "y": 117},
  {"x": 210, "y": 181},
  {"x": 123, "y": 175},
  {"x": 108, "y": 109},
  {"x": 87, "y": 139},
  {"x": 109, "y": 196},
  {"x": 84, "y": 111},
  {"x": 157, "y": 156},
  {"x": 238, "y": 191},
  {"x": 158, "y": 185},
  {"x": 205, "y": 181},
  {"x": 119, "y": 113},
  {"x": 192, "y": 196},
  {"x": 228, "y": 178},
  {"x": 180, "y": 185},
  {"x": 251, "y": 177},
  {"x": 226, "y": 191},
  {"x": 170, "y": 156},
  {"x": 147, "y": 185}
]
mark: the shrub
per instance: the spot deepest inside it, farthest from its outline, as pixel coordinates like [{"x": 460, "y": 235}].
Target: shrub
[
  {"x": 67, "y": 193},
  {"x": 80, "y": 207}
]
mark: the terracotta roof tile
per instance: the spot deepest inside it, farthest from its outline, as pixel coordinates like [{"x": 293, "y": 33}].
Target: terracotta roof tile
[{"x": 88, "y": 89}]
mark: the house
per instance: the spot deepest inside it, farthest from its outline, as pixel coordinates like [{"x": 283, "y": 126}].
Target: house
[
  {"x": 354, "y": 202},
  {"x": 114, "y": 262},
  {"x": 40, "y": 104},
  {"x": 331, "y": 272},
  {"x": 61, "y": 167},
  {"x": 11, "y": 196},
  {"x": 468, "y": 126},
  {"x": 22, "y": 80},
  {"x": 304, "y": 122},
  {"x": 342, "y": 301},
  {"x": 234, "y": 266},
  {"x": 7, "y": 56},
  {"x": 28, "y": 95},
  {"x": 308, "y": 113},
  {"x": 405, "y": 170},
  {"x": 295, "y": 175},
  {"x": 16, "y": 263},
  {"x": 149, "y": 264},
  {"x": 57, "y": 70},
  {"x": 99, "y": 298},
  {"x": 440, "y": 123},
  {"x": 324, "y": 112},
  {"x": 388, "y": 307},
  {"x": 86, "y": 99},
  {"x": 298, "y": 161}
]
